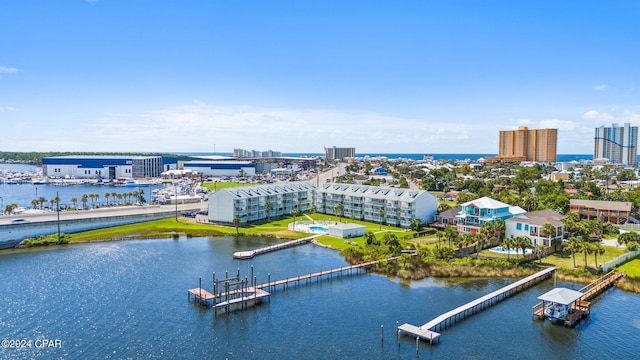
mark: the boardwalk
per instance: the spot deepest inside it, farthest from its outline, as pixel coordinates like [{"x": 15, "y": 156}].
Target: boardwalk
[
  {"x": 251, "y": 253},
  {"x": 427, "y": 331}
]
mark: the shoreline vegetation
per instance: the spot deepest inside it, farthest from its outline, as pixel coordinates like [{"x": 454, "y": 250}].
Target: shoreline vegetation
[{"x": 386, "y": 241}]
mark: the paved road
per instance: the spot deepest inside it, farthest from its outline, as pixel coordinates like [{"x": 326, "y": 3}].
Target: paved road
[{"x": 101, "y": 212}]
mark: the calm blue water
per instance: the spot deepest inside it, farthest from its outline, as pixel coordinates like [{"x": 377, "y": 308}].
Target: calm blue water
[{"x": 129, "y": 300}]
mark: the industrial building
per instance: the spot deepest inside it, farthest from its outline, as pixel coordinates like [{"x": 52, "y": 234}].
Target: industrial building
[
  {"x": 392, "y": 206},
  {"x": 249, "y": 203},
  {"x": 102, "y": 167},
  {"x": 617, "y": 144},
  {"x": 537, "y": 145},
  {"x": 221, "y": 168}
]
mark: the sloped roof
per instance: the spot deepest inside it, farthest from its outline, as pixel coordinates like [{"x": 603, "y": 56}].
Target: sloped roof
[
  {"x": 486, "y": 203},
  {"x": 562, "y": 296},
  {"x": 601, "y": 204},
  {"x": 540, "y": 218}
]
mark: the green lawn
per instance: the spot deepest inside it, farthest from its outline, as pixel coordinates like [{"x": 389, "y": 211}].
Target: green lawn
[
  {"x": 631, "y": 268},
  {"x": 223, "y": 185}
]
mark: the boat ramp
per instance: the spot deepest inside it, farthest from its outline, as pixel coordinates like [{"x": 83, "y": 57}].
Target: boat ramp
[{"x": 428, "y": 332}]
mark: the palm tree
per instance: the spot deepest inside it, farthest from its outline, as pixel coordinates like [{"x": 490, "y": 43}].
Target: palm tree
[
  {"x": 521, "y": 242},
  {"x": 84, "y": 199},
  {"x": 10, "y": 208},
  {"x": 314, "y": 208},
  {"x": 391, "y": 240},
  {"x": 381, "y": 213},
  {"x": 597, "y": 249},
  {"x": 500, "y": 227},
  {"x": 42, "y": 201},
  {"x": 294, "y": 213},
  {"x": 106, "y": 196},
  {"x": 586, "y": 249},
  {"x": 451, "y": 233},
  {"x": 538, "y": 251},
  {"x": 74, "y": 201},
  {"x": 370, "y": 238},
  {"x": 268, "y": 207},
  {"x": 236, "y": 223},
  {"x": 508, "y": 243},
  {"x": 573, "y": 245},
  {"x": 548, "y": 230},
  {"x": 34, "y": 203},
  {"x": 570, "y": 221},
  {"x": 338, "y": 210}
]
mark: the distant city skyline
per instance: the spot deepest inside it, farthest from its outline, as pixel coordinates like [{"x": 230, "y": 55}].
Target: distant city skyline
[{"x": 383, "y": 77}]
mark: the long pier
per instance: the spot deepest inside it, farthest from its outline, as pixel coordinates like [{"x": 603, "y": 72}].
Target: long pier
[
  {"x": 239, "y": 293},
  {"x": 427, "y": 331},
  {"x": 251, "y": 253}
]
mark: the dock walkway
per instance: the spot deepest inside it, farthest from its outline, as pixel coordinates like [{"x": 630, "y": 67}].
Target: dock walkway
[
  {"x": 251, "y": 253},
  {"x": 427, "y": 331},
  {"x": 246, "y": 292}
]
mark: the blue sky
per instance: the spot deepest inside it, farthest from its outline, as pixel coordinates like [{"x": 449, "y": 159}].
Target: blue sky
[{"x": 294, "y": 76}]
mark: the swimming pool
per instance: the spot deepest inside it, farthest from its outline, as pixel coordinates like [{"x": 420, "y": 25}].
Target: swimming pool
[
  {"x": 500, "y": 250},
  {"x": 318, "y": 228}
]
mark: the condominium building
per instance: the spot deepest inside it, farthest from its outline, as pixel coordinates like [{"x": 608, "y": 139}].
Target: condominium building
[
  {"x": 537, "y": 145},
  {"x": 618, "y": 144},
  {"x": 476, "y": 212},
  {"x": 242, "y": 153},
  {"x": 383, "y": 205},
  {"x": 616, "y": 212},
  {"x": 249, "y": 203},
  {"x": 336, "y": 153}
]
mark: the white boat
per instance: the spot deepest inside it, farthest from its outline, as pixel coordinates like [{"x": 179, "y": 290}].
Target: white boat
[
  {"x": 129, "y": 182},
  {"x": 556, "y": 312}
]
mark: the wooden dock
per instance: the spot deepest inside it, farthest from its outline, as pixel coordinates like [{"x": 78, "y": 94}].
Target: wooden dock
[
  {"x": 251, "y": 253},
  {"x": 427, "y": 331},
  {"x": 238, "y": 293},
  {"x": 581, "y": 308}
]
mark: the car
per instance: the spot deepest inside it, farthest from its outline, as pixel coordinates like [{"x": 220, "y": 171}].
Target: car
[{"x": 19, "y": 221}]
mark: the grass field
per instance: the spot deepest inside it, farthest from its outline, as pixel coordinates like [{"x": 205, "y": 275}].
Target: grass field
[
  {"x": 223, "y": 185},
  {"x": 632, "y": 268}
]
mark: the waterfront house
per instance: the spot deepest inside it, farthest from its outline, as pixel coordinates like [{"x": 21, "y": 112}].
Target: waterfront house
[
  {"x": 447, "y": 218},
  {"x": 476, "y": 212},
  {"x": 530, "y": 224}
]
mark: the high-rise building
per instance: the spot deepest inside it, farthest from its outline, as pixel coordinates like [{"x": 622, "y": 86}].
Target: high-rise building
[
  {"x": 336, "y": 153},
  {"x": 618, "y": 144},
  {"x": 526, "y": 145}
]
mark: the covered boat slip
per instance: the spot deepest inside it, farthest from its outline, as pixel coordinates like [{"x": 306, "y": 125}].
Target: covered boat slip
[
  {"x": 569, "y": 306},
  {"x": 562, "y": 304}
]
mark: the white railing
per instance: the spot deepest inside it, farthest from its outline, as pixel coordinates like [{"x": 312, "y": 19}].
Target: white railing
[{"x": 619, "y": 260}]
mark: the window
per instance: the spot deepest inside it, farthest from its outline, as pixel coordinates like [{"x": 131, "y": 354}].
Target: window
[
  {"x": 518, "y": 226},
  {"x": 526, "y": 227}
]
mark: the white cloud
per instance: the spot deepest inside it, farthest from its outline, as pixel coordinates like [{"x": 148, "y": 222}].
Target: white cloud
[
  {"x": 8, "y": 70},
  {"x": 197, "y": 126},
  {"x": 561, "y": 125},
  {"x": 600, "y": 87},
  {"x": 596, "y": 115},
  {"x": 7, "y": 109}
]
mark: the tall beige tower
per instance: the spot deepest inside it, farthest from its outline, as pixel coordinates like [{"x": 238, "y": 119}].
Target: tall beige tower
[{"x": 527, "y": 145}]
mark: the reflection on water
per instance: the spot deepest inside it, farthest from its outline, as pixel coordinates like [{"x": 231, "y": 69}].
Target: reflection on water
[{"x": 128, "y": 299}]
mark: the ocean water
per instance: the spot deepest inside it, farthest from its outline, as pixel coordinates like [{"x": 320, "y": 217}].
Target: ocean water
[{"x": 128, "y": 300}]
